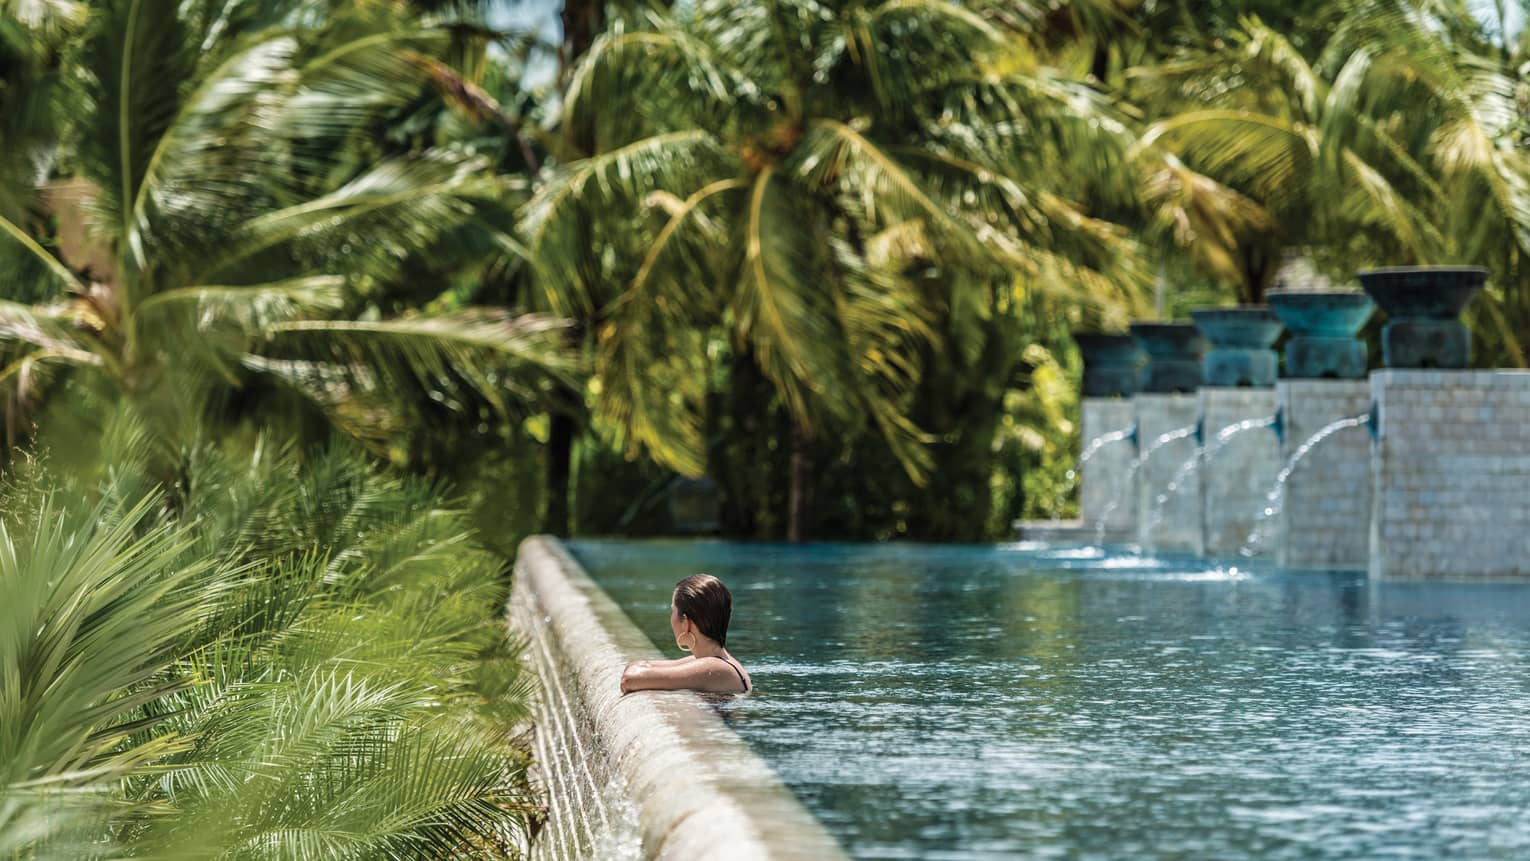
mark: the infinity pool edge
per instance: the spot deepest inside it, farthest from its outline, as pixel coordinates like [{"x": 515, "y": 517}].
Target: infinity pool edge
[{"x": 682, "y": 779}]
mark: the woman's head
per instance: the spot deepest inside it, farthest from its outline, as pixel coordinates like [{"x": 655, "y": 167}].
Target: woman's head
[{"x": 703, "y": 604}]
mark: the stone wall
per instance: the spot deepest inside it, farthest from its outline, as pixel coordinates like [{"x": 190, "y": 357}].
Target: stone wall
[
  {"x": 1324, "y": 521},
  {"x": 1235, "y": 473},
  {"x": 1175, "y": 526},
  {"x": 1105, "y": 478},
  {"x": 1451, "y": 467}
]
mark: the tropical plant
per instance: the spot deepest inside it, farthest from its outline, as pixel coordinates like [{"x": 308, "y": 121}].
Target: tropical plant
[
  {"x": 1400, "y": 141},
  {"x": 288, "y": 656},
  {"x": 243, "y": 198},
  {"x": 831, "y": 187}
]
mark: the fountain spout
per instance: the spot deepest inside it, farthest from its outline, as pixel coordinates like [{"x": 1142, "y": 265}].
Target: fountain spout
[
  {"x": 1274, "y": 499},
  {"x": 1278, "y": 423}
]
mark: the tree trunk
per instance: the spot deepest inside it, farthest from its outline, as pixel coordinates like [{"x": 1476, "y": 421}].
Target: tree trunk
[
  {"x": 799, "y": 499},
  {"x": 560, "y": 450},
  {"x": 1260, "y": 261},
  {"x": 582, "y": 22}
]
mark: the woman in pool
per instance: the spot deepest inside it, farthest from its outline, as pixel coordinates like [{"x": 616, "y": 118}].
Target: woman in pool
[{"x": 698, "y": 615}]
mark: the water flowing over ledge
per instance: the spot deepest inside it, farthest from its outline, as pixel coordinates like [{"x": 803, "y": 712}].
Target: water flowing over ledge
[{"x": 648, "y": 775}]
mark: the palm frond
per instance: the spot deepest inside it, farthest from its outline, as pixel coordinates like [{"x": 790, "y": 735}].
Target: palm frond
[
  {"x": 1202, "y": 215},
  {"x": 743, "y": 33},
  {"x": 1264, "y": 46},
  {"x": 34, "y": 372},
  {"x": 1028, "y": 230},
  {"x": 887, "y": 332},
  {"x": 1347, "y": 100},
  {"x": 13, "y": 234},
  {"x": 490, "y": 351},
  {"x": 371, "y": 225},
  {"x": 253, "y": 307},
  {"x": 93, "y": 615},
  {"x": 1267, "y": 156},
  {"x": 834, "y": 155},
  {"x": 45, "y": 16},
  {"x": 51, "y": 327},
  {"x": 945, "y": 36},
  {"x": 1373, "y": 200},
  {"x": 138, "y": 62},
  {"x": 556, "y": 221},
  {"x": 353, "y": 81},
  {"x": 632, "y": 85},
  {"x": 212, "y": 327},
  {"x": 1038, "y": 127},
  {"x": 171, "y": 690},
  {"x": 651, "y": 393},
  {"x": 781, "y": 307},
  {"x": 214, "y": 161}
]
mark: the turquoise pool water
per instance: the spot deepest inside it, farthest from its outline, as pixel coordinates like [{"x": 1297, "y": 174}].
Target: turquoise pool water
[{"x": 1014, "y": 701}]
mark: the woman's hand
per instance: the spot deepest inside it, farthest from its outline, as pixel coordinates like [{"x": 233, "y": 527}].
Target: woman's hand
[{"x": 633, "y": 675}]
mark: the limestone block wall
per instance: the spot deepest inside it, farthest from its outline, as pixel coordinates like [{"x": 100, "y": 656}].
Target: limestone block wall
[
  {"x": 1235, "y": 474},
  {"x": 1176, "y": 526},
  {"x": 1451, "y": 468},
  {"x": 1325, "y": 518},
  {"x": 1104, "y": 478}
]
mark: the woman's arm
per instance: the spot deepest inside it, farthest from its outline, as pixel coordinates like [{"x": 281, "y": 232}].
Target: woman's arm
[{"x": 677, "y": 675}]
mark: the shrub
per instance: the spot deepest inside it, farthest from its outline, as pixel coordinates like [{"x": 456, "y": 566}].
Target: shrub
[{"x": 285, "y": 655}]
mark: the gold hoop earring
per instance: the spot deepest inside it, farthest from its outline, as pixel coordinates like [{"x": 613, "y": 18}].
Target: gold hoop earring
[{"x": 686, "y": 647}]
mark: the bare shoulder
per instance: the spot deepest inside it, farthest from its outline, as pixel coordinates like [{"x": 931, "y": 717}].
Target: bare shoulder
[{"x": 736, "y": 673}]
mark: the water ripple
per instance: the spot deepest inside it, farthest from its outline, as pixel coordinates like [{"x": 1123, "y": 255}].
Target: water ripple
[{"x": 1000, "y": 702}]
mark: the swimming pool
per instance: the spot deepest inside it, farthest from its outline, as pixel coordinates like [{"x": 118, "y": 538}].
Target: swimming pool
[{"x": 998, "y": 701}]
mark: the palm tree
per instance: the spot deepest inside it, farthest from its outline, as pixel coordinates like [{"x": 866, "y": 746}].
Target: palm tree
[
  {"x": 1401, "y": 142},
  {"x": 240, "y": 193},
  {"x": 818, "y": 182}
]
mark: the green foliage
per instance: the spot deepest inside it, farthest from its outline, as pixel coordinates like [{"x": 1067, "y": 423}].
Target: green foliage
[
  {"x": 1003, "y": 425},
  {"x": 814, "y": 188},
  {"x": 284, "y": 655},
  {"x": 242, "y": 209},
  {"x": 858, "y": 232},
  {"x": 1393, "y": 137}
]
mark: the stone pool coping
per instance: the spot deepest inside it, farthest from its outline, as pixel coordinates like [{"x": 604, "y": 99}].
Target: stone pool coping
[{"x": 696, "y": 788}]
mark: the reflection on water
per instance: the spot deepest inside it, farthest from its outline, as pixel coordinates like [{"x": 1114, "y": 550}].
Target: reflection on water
[{"x": 1003, "y": 701}]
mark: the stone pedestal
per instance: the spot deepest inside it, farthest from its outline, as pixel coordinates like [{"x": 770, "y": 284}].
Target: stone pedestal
[
  {"x": 1239, "y": 367},
  {"x": 1178, "y": 527},
  {"x": 1102, "y": 480},
  {"x": 1426, "y": 344},
  {"x": 1325, "y": 519},
  {"x": 1451, "y": 466},
  {"x": 1235, "y": 474},
  {"x": 1331, "y": 358},
  {"x": 1424, "y": 305}
]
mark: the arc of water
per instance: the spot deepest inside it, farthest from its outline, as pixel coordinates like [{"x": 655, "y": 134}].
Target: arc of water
[
  {"x": 1126, "y": 484},
  {"x": 1236, "y": 428},
  {"x": 1090, "y": 450},
  {"x": 1275, "y": 499},
  {"x": 1182, "y": 475},
  {"x": 1131, "y": 473},
  {"x": 1171, "y": 490},
  {"x": 1095, "y": 445},
  {"x": 1189, "y": 467}
]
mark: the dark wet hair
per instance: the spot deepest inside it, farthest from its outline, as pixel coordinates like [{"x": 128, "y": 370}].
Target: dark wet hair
[{"x": 704, "y": 600}]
